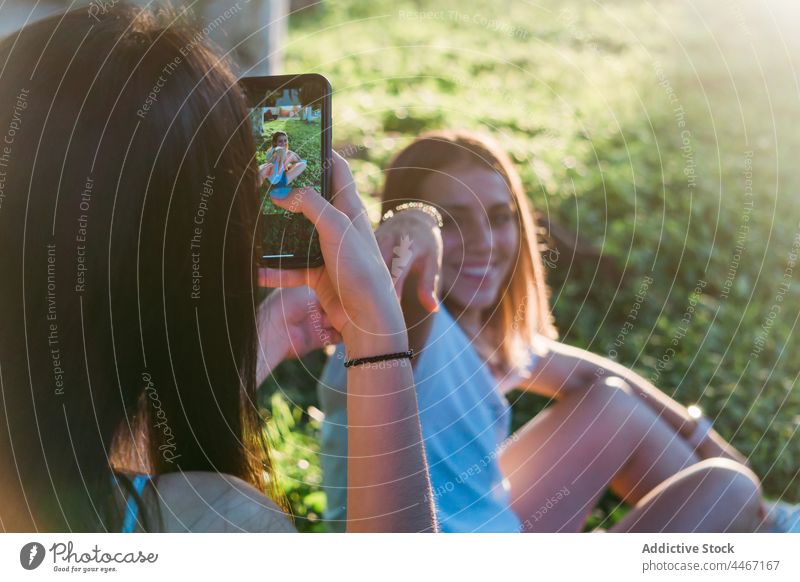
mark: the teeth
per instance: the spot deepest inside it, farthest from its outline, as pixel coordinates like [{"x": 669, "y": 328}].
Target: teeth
[{"x": 476, "y": 271}]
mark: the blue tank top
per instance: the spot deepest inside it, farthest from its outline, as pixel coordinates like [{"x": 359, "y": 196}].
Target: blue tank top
[{"x": 464, "y": 419}]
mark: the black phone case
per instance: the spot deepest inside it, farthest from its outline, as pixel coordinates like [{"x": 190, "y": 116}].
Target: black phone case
[{"x": 256, "y": 87}]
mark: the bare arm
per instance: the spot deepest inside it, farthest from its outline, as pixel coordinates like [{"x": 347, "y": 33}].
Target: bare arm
[
  {"x": 564, "y": 369},
  {"x": 291, "y": 324},
  {"x": 388, "y": 483},
  {"x": 388, "y": 486}
]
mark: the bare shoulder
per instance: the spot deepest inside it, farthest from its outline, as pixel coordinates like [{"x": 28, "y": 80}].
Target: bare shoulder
[{"x": 201, "y": 501}]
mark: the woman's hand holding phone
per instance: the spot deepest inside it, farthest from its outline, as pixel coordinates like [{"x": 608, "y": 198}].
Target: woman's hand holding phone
[
  {"x": 291, "y": 324},
  {"x": 354, "y": 287},
  {"x": 388, "y": 484}
]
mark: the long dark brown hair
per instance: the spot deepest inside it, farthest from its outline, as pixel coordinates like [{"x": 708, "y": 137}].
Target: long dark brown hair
[
  {"x": 128, "y": 288},
  {"x": 521, "y": 310}
]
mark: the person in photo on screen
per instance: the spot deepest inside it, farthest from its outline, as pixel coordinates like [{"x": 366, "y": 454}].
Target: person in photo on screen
[{"x": 282, "y": 165}]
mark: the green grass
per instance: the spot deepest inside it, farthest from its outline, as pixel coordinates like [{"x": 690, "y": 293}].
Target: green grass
[
  {"x": 304, "y": 140},
  {"x": 584, "y": 96}
]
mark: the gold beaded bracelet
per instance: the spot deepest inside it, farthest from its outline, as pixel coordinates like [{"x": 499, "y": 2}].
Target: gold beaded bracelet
[{"x": 426, "y": 208}]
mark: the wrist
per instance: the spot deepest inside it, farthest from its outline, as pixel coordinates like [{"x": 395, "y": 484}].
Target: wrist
[
  {"x": 431, "y": 214},
  {"x": 360, "y": 343},
  {"x": 380, "y": 359},
  {"x": 378, "y": 320},
  {"x": 699, "y": 425},
  {"x": 379, "y": 313}
]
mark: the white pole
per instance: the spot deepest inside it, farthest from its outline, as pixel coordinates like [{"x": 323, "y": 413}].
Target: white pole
[{"x": 253, "y": 31}]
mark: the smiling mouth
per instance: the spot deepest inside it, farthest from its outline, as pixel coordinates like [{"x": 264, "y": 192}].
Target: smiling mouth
[{"x": 477, "y": 271}]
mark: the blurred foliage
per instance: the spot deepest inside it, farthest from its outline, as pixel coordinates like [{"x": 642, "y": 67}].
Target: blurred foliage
[
  {"x": 644, "y": 128},
  {"x": 285, "y": 398}
]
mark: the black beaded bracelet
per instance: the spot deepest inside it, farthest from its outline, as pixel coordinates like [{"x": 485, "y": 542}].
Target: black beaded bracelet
[{"x": 371, "y": 359}]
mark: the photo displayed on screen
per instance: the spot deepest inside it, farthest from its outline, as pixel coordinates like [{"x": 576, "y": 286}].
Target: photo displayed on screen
[{"x": 288, "y": 132}]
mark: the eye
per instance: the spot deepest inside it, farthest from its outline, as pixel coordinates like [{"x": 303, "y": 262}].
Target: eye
[{"x": 501, "y": 217}]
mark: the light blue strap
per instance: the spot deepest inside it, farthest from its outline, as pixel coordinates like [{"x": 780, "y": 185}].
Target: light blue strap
[{"x": 132, "y": 509}]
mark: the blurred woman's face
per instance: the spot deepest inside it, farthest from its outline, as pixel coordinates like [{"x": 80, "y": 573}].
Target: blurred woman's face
[
  {"x": 282, "y": 142},
  {"x": 480, "y": 233}
]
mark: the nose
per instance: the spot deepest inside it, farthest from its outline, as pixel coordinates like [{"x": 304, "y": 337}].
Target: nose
[{"x": 478, "y": 234}]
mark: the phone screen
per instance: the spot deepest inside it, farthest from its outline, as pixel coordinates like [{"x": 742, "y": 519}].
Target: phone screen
[{"x": 290, "y": 121}]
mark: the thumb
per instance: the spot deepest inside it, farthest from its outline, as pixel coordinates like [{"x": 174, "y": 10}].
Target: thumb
[{"x": 428, "y": 285}]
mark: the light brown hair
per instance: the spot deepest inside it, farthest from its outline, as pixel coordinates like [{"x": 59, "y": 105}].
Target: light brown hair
[{"x": 521, "y": 310}]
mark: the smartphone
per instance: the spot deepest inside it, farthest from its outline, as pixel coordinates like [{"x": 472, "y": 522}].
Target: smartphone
[{"x": 291, "y": 120}]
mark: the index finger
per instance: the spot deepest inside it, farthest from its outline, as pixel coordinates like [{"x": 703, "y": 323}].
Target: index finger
[
  {"x": 345, "y": 195},
  {"x": 329, "y": 221}
]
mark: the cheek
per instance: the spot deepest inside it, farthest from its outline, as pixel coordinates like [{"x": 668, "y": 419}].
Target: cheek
[
  {"x": 452, "y": 256},
  {"x": 452, "y": 245},
  {"x": 507, "y": 240}
]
